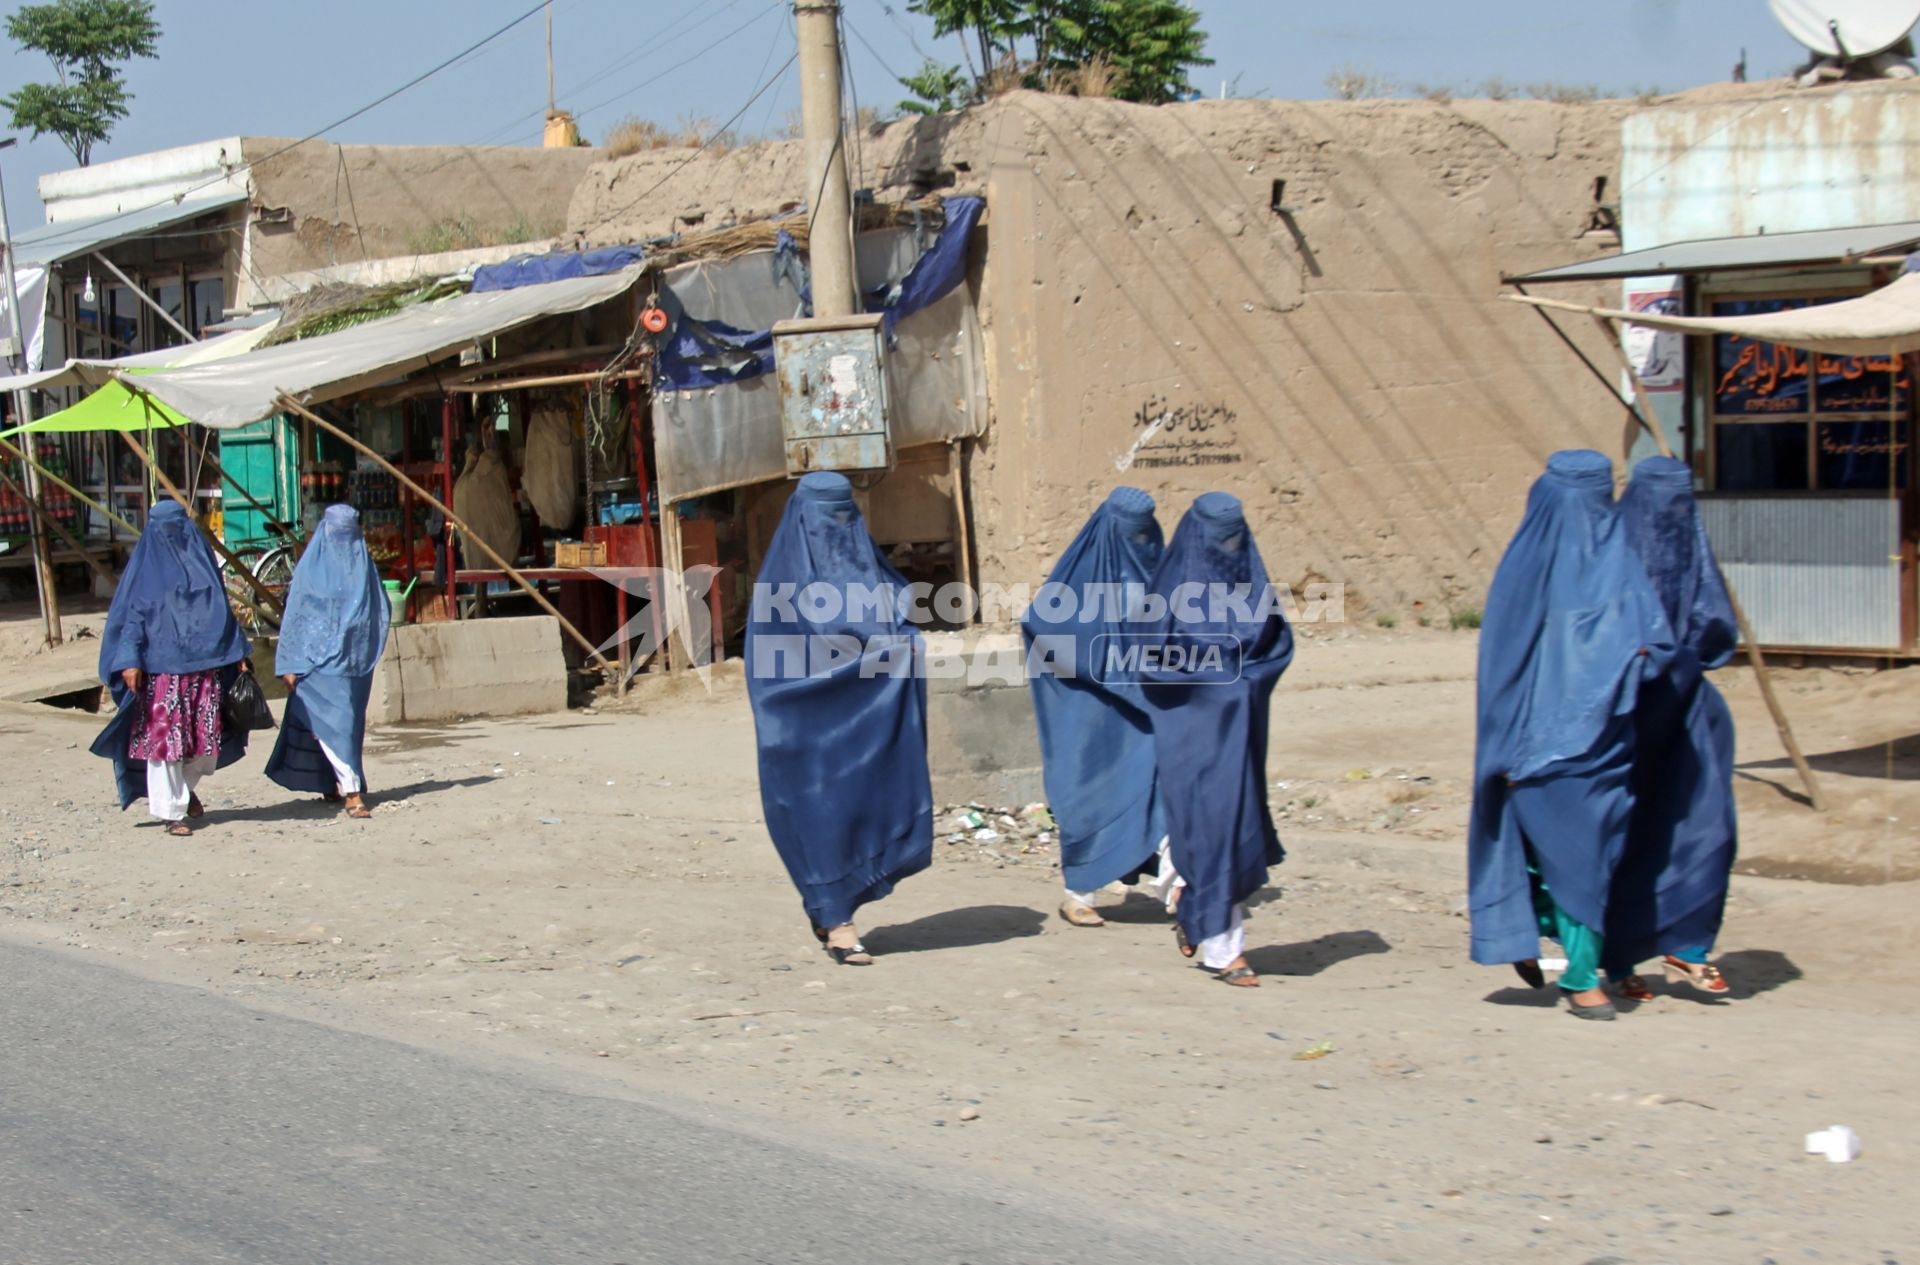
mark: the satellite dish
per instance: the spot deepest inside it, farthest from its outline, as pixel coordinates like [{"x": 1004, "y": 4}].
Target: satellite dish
[{"x": 1848, "y": 29}]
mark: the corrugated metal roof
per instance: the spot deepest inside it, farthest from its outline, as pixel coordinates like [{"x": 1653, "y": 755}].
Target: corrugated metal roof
[
  {"x": 51, "y": 243},
  {"x": 1730, "y": 254}
]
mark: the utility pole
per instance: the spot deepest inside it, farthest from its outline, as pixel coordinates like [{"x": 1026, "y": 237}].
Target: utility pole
[
  {"x": 829, "y": 200},
  {"x": 43, "y": 580}
]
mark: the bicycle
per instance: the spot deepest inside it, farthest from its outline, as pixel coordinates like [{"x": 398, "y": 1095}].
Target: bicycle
[{"x": 271, "y": 565}]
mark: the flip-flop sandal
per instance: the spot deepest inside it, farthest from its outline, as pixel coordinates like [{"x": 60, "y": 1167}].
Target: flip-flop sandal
[
  {"x": 359, "y": 812},
  {"x": 1180, "y": 938},
  {"x": 856, "y": 955},
  {"x": 1698, "y": 975},
  {"x": 179, "y": 829},
  {"x": 1081, "y": 915},
  {"x": 194, "y": 807},
  {"x": 1239, "y": 976},
  {"x": 1633, "y": 988}
]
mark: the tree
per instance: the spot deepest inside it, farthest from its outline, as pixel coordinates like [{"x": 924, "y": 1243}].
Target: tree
[
  {"x": 1138, "y": 50},
  {"x": 86, "y": 40}
]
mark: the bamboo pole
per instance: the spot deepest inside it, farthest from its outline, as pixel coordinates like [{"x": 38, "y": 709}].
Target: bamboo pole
[
  {"x": 490, "y": 385},
  {"x": 1756, "y": 659},
  {"x": 266, "y": 595},
  {"x": 957, "y": 466},
  {"x": 290, "y": 405},
  {"x": 55, "y": 526},
  {"x": 83, "y": 498}
]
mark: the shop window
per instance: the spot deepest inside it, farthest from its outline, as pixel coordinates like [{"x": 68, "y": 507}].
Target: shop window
[
  {"x": 209, "y": 298},
  {"x": 1790, "y": 420},
  {"x": 171, "y": 296}
]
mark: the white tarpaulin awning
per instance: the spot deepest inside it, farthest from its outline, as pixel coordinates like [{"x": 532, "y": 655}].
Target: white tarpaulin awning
[
  {"x": 94, "y": 374},
  {"x": 234, "y": 392},
  {"x": 1884, "y": 322}
]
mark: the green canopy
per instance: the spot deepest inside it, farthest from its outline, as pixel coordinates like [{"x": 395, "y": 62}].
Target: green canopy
[{"x": 112, "y": 407}]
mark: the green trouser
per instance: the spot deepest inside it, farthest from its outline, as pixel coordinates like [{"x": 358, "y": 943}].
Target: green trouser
[{"x": 1581, "y": 942}]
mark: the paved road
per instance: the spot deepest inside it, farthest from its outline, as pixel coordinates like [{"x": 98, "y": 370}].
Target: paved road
[{"x": 146, "y": 1124}]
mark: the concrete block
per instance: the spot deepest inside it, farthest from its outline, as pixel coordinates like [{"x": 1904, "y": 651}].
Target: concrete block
[
  {"x": 981, "y": 741},
  {"x": 480, "y": 667},
  {"x": 384, "y": 706}
]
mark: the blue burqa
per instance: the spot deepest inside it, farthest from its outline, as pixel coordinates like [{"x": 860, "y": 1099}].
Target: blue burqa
[
  {"x": 169, "y": 614},
  {"x": 1671, "y": 889},
  {"x": 1095, "y": 736},
  {"x": 1210, "y": 714},
  {"x": 1571, "y": 629},
  {"x": 331, "y": 637},
  {"x": 839, "y": 708}
]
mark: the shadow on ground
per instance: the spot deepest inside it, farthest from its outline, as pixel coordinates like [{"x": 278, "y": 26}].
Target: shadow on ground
[
  {"x": 1310, "y": 957},
  {"x": 957, "y": 929}
]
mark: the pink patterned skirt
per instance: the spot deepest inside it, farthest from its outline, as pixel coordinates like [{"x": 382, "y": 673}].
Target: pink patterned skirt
[{"x": 177, "y": 718}]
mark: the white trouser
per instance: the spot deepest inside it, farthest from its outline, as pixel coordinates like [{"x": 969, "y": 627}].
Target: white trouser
[
  {"x": 342, "y": 771},
  {"x": 170, "y": 785},
  {"x": 1219, "y": 952},
  {"x": 1160, "y": 886}
]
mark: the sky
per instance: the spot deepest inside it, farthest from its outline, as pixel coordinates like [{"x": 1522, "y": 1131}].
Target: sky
[{"x": 279, "y": 68}]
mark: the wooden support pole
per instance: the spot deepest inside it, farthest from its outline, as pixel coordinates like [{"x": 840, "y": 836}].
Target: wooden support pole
[
  {"x": 963, "y": 550},
  {"x": 82, "y": 497},
  {"x": 56, "y": 528},
  {"x": 267, "y": 596},
  {"x": 289, "y": 405},
  {"x": 555, "y": 380},
  {"x": 1756, "y": 659}
]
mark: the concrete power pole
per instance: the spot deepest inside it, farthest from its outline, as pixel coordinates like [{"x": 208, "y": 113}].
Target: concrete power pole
[
  {"x": 829, "y": 200},
  {"x": 43, "y": 579}
]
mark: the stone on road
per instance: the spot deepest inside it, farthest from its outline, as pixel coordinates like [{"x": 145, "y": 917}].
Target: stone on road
[{"x": 141, "y": 1121}]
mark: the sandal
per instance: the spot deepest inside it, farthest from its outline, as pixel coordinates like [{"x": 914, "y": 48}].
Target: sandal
[
  {"x": 359, "y": 811},
  {"x": 194, "y": 807},
  {"x": 333, "y": 797},
  {"x": 1701, "y": 975},
  {"x": 1530, "y": 973},
  {"x": 1632, "y": 988},
  {"x": 1081, "y": 915},
  {"x": 179, "y": 829},
  {"x": 856, "y": 955},
  {"x": 1180, "y": 938},
  {"x": 1238, "y": 976}
]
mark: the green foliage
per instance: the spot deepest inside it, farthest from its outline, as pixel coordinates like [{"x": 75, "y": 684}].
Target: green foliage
[
  {"x": 1137, "y": 50},
  {"x": 1385, "y": 621},
  {"x": 86, "y": 40},
  {"x": 1466, "y": 618},
  {"x": 936, "y": 89}
]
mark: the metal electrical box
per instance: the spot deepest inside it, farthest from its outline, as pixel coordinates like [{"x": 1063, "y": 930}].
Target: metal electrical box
[{"x": 833, "y": 393}]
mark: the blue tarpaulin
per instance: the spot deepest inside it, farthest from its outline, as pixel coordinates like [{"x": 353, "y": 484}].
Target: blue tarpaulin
[
  {"x": 695, "y": 354},
  {"x": 558, "y": 265}
]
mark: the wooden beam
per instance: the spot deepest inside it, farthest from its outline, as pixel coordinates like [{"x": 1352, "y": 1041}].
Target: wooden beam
[
  {"x": 290, "y": 405},
  {"x": 556, "y": 380}
]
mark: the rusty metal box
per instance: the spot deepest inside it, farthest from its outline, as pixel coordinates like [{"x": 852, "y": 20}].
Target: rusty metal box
[{"x": 833, "y": 393}]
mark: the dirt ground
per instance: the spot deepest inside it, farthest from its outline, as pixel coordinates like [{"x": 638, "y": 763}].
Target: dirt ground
[{"x": 596, "y": 888}]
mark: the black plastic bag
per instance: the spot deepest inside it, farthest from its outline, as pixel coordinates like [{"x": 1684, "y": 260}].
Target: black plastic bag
[{"x": 243, "y": 708}]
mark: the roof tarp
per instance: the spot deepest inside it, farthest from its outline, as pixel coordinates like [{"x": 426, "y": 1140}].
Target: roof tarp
[
  {"x": 234, "y": 392},
  {"x": 99, "y": 373},
  {"x": 1884, "y": 322},
  {"x": 51, "y": 243},
  {"x": 1733, "y": 254}
]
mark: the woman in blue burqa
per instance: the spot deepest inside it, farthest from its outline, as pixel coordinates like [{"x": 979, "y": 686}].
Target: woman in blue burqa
[
  {"x": 1219, "y": 649},
  {"x": 1572, "y": 629},
  {"x": 1671, "y": 890},
  {"x": 839, "y": 712},
  {"x": 170, "y": 648},
  {"x": 1096, "y": 740},
  {"x": 331, "y": 638}
]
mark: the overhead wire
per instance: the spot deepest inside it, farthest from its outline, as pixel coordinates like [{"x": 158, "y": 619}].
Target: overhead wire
[
  {"x": 93, "y": 226},
  {"x": 704, "y": 145}
]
